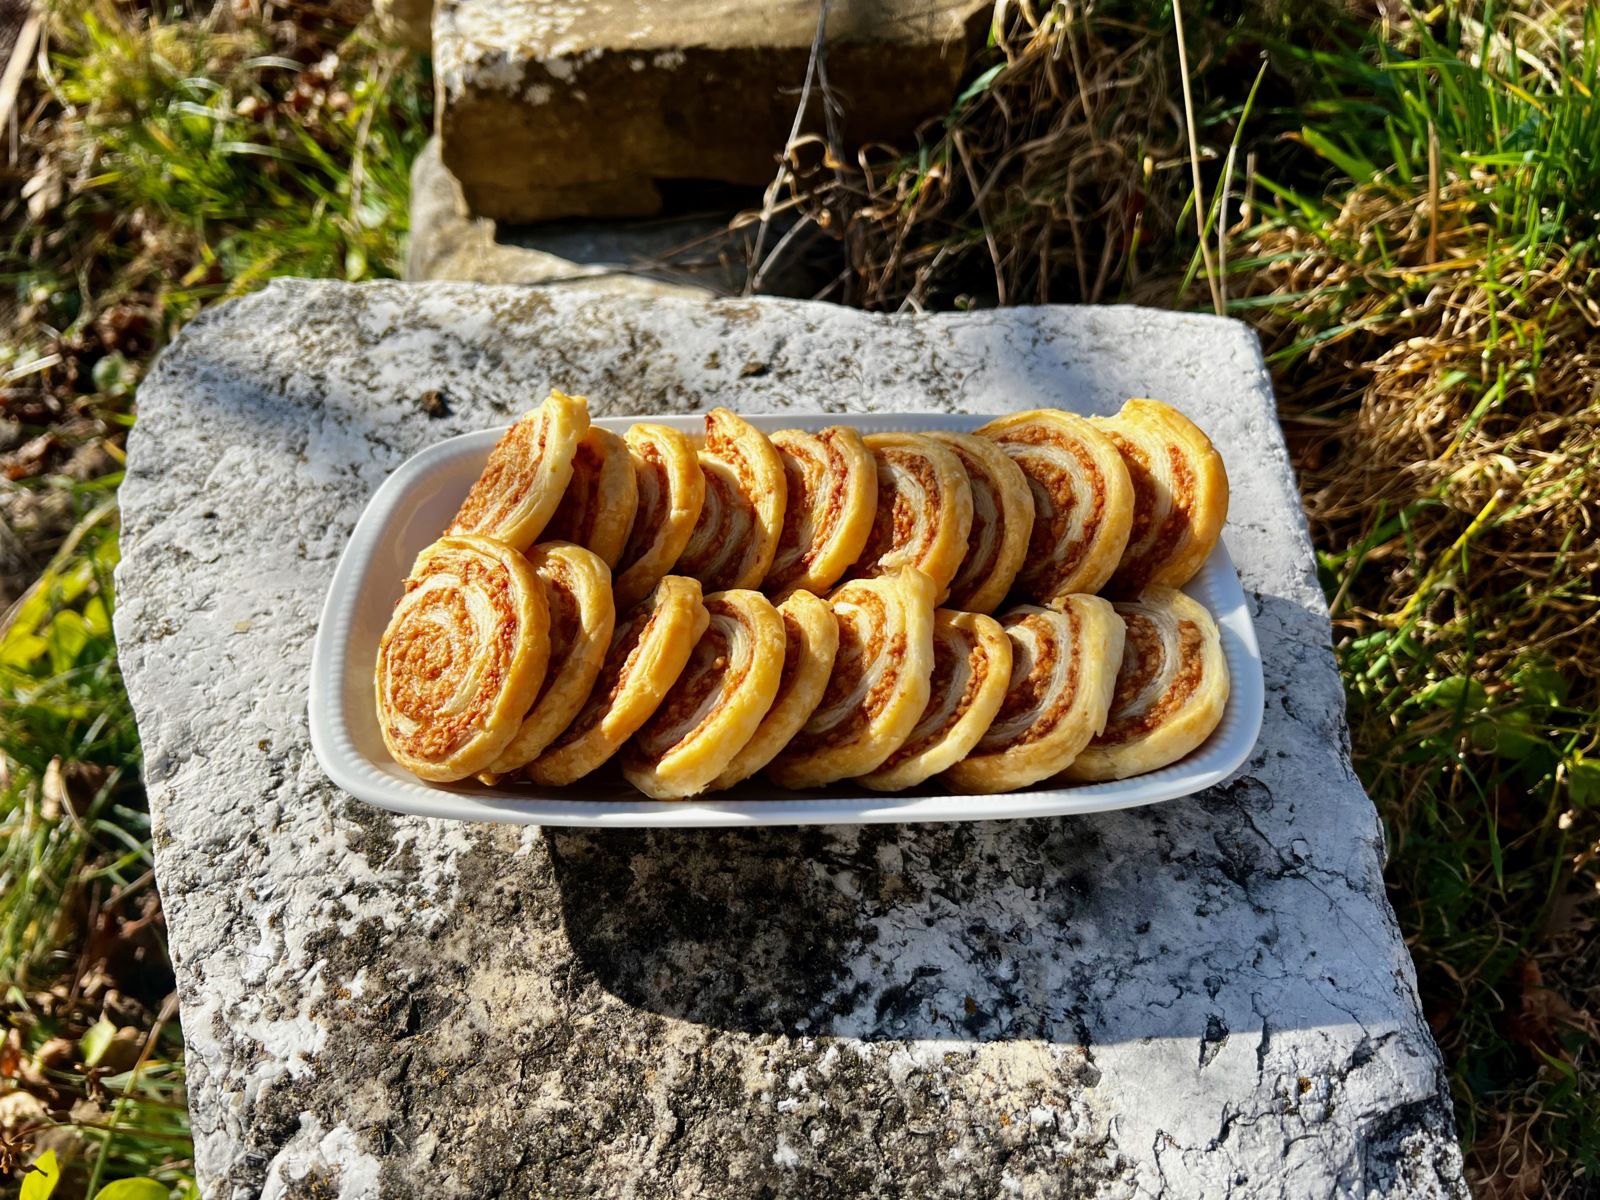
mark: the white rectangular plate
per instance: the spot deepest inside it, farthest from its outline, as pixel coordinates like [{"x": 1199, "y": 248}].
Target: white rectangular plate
[{"x": 418, "y": 501}]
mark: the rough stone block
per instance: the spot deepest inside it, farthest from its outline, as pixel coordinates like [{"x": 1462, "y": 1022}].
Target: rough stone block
[
  {"x": 448, "y": 243},
  {"x": 559, "y": 109},
  {"x": 1201, "y": 998}
]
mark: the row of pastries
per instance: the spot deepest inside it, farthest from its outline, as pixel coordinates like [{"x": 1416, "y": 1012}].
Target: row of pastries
[{"x": 815, "y": 606}]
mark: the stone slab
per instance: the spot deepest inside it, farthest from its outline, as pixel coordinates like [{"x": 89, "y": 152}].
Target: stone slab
[
  {"x": 560, "y": 109},
  {"x": 1207, "y": 997},
  {"x": 642, "y": 258}
]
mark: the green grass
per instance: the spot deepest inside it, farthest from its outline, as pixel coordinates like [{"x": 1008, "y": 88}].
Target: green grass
[
  {"x": 1427, "y": 311},
  {"x": 176, "y": 159}
]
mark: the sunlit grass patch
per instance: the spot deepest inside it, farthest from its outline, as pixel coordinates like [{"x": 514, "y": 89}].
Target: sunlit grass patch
[{"x": 173, "y": 155}]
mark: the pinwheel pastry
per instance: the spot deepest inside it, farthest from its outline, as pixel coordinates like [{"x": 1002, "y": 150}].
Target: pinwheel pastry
[
  {"x": 1180, "y": 495},
  {"x": 717, "y": 703},
  {"x": 1171, "y": 689},
  {"x": 737, "y": 534},
  {"x": 971, "y": 671},
  {"x": 648, "y": 651},
  {"x": 831, "y": 504},
  {"x": 597, "y": 510},
  {"x": 577, "y": 590},
  {"x": 671, "y": 490},
  {"x": 811, "y": 640},
  {"x": 924, "y": 510},
  {"x": 527, "y": 472},
  {"x": 462, "y": 658},
  {"x": 1082, "y": 501},
  {"x": 1063, "y": 670},
  {"x": 1002, "y": 520},
  {"x": 879, "y": 686}
]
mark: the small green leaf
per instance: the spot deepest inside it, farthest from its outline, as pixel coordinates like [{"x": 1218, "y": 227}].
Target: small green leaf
[
  {"x": 133, "y": 1189},
  {"x": 1583, "y": 780},
  {"x": 978, "y": 84},
  {"x": 96, "y": 1042},
  {"x": 1458, "y": 692},
  {"x": 1540, "y": 681},
  {"x": 41, "y": 1178}
]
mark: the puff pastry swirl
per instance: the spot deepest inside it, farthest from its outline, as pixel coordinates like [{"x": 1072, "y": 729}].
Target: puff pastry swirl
[
  {"x": 971, "y": 673},
  {"x": 577, "y": 592},
  {"x": 1171, "y": 688},
  {"x": 737, "y": 532},
  {"x": 879, "y": 686},
  {"x": 831, "y": 504},
  {"x": 1063, "y": 670},
  {"x": 717, "y": 702},
  {"x": 527, "y": 472},
  {"x": 924, "y": 510},
  {"x": 670, "y": 493},
  {"x": 462, "y": 657},
  {"x": 648, "y": 651},
  {"x": 1180, "y": 495},
  {"x": 1082, "y": 501},
  {"x": 1002, "y": 522},
  {"x": 596, "y": 512},
  {"x": 811, "y": 641}
]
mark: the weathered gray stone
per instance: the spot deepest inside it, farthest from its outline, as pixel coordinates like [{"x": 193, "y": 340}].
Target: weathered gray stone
[
  {"x": 448, "y": 243},
  {"x": 566, "y": 109},
  {"x": 1207, "y": 997}
]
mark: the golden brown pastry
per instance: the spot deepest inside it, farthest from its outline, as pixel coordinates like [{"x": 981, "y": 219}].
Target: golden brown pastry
[
  {"x": 527, "y": 472},
  {"x": 717, "y": 703},
  {"x": 971, "y": 672},
  {"x": 648, "y": 650},
  {"x": 1180, "y": 495},
  {"x": 811, "y": 641},
  {"x": 670, "y": 493},
  {"x": 737, "y": 533},
  {"x": 462, "y": 658},
  {"x": 1082, "y": 501},
  {"x": 577, "y": 591},
  {"x": 879, "y": 686},
  {"x": 1063, "y": 670},
  {"x": 831, "y": 504},
  {"x": 924, "y": 510},
  {"x": 1171, "y": 689},
  {"x": 1002, "y": 521},
  {"x": 596, "y": 512}
]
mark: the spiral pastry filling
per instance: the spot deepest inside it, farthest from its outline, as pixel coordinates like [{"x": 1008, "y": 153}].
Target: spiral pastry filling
[
  {"x": 810, "y": 642},
  {"x": 670, "y": 491},
  {"x": 1002, "y": 522},
  {"x": 527, "y": 472},
  {"x": 924, "y": 510},
  {"x": 745, "y": 498},
  {"x": 714, "y": 708},
  {"x": 1063, "y": 669},
  {"x": 462, "y": 657},
  {"x": 879, "y": 686},
  {"x": 1171, "y": 688},
  {"x": 648, "y": 651},
  {"x": 1082, "y": 501},
  {"x": 577, "y": 590},
  {"x": 832, "y": 485},
  {"x": 597, "y": 510},
  {"x": 971, "y": 673},
  {"x": 1180, "y": 495}
]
